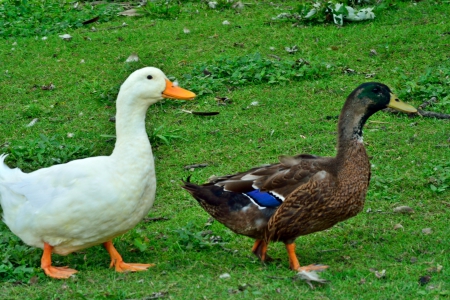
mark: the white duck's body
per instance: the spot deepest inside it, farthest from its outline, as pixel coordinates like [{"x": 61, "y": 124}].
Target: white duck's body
[{"x": 90, "y": 201}]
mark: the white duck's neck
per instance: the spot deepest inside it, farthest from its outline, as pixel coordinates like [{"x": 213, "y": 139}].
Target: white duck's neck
[{"x": 131, "y": 136}]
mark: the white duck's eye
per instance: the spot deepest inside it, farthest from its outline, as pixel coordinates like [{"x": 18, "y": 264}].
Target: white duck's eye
[{"x": 149, "y": 77}]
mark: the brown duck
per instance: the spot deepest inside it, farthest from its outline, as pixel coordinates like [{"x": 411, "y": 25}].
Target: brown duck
[{"x": 304, "y": 193}]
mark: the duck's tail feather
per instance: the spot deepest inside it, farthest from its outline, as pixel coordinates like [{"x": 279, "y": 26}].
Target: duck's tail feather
[
  {"x": 205, "y": 194},
  {"x": 6, "y": 173},
  {"x": 3, "y": 166}
]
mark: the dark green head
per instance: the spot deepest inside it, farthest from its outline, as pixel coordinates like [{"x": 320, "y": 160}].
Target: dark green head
[
  {"x": 374, "y": 96},
  {"x": 364, "y": 101}
]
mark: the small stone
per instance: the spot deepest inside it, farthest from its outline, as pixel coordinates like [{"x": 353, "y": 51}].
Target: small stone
[
  {"x": 132, "y": 58},
  {"x": 225, "y": 276}
]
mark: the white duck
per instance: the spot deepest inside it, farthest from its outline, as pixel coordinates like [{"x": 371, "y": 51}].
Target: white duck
[{"x": 90, "y": 201}]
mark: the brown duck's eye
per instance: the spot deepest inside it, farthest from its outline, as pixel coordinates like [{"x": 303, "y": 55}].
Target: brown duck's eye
[{"x": 149, "y": 77}]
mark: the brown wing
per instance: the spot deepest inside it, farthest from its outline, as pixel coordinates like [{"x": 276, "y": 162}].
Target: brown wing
[
  {"x": 306, "y": 210},
  {"x": 281, "y": 178}
]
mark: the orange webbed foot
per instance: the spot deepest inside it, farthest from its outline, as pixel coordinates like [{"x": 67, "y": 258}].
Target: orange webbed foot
[
  {"x": 295, "y": 265},
  {"x": 121, "y": 266},
  {"x": 54, "y": 272},
  {"x": 310, "y": 268},
  {"x": 59, "y": 272}
]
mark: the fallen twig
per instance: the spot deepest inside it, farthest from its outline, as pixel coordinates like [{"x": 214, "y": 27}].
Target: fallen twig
[
  {"x": 278, "y": 277},
  {"x": 432, "y": 114},
  {"x": 156, "y": 219},
  {"x": 201, "y": 113},
  {"x": 329, "y": 250},
  {"x": 422, "y": 113},
  {"x": 188, "y": 167},
  {"x": 428, "y": 102}
]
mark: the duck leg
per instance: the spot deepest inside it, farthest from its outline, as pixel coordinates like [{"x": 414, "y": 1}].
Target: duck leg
[
  {"x": 260, "y": 250},
  {"x": 54, "y": 272},
  {"x": 295, "y": 265},
  {"x": 121, "y": 266}
]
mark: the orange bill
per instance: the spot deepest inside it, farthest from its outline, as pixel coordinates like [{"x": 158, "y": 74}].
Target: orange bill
[{"x": 175, "y": 92}]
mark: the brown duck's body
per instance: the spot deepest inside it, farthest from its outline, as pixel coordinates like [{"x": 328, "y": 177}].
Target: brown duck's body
[
  {"x": 301, "y": 194},
  {"x": 333, "y": 194}
]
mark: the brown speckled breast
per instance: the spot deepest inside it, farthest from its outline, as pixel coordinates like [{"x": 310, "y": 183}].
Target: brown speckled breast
[{"x": 325, "y": 200}]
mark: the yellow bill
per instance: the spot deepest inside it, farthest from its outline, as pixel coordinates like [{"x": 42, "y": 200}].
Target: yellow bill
[
  {"x": 175, "y": 92},
  {"x": 399, "y": 105}
]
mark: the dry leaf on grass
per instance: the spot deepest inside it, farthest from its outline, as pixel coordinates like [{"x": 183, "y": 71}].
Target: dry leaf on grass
[
  {"x": 66, "y": 37},
  {"x": 404, "y": 210},
  {"x": 91, "y": 20},
  {"x": 238, "y": 5},
  {"x": 156, "y": 295},
  {"x": 381, "y": 274},
  {"x": 203, "y": 165},
  {"x": 436, "y": 269},
  {"x": 427, "y": 231},
  {"x": 209, "y": 222},
  {"x": 223, "y": 100},
  {"x": 292, "y": 49},
  {"x": 423, "y": 280},
  {"x": 310, "y": 276},
  {"x": 32, "y": 122},
  {"x": 34, "y": 280},
  {"x": 130, "y": 13},
  {"x": 49, "y": 87},
  {"x": 398, "y": 226}
]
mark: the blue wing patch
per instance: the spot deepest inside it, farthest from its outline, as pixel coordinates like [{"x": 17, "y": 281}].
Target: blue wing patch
[{"x": 263, "y": 199}]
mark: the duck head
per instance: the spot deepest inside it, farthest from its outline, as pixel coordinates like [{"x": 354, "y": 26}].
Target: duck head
[
  {"x": 363, "y": 102},
  {"x": 150, "y": 85},
  {"x": 373, "y": 96}
]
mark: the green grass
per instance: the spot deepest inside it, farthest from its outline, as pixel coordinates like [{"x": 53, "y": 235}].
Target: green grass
[{"x": 410, "y": 156}]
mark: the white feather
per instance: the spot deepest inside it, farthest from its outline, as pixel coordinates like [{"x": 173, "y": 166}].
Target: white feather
[{"x": 89, "y": 201}]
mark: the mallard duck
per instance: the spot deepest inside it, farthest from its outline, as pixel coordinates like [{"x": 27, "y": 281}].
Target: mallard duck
[
  {"x": 86, "y": 202},
  {"x": 304, "y": 193}
]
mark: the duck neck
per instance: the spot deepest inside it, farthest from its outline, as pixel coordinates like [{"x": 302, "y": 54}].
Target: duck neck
[
  {"x": 350, "y": 134},
  {"x": 131, "y": 136}
]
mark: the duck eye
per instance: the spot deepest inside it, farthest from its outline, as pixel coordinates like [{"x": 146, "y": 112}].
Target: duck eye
[
  {"x": 149, "y": 77},
  {"x": 376, "y": 90}
]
